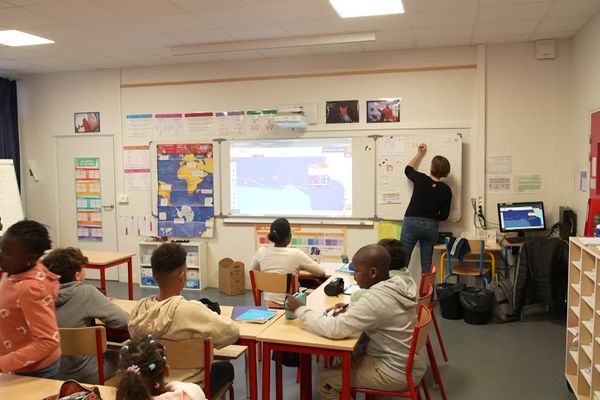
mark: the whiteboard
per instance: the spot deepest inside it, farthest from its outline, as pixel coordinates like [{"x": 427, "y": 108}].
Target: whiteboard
[
  {"x": 11, "y": 210},
  {"x": 394, "y": 189}
]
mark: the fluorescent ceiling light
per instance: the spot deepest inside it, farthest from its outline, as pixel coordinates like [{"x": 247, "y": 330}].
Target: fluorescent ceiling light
[
  {"x": 14, "y": 38},
  {"x": 277, "y": 43},
  {"x": 364, "y": 8}
]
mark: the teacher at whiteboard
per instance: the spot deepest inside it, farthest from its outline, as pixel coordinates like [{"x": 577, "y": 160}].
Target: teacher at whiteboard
[{"x": 429, "y": 204}]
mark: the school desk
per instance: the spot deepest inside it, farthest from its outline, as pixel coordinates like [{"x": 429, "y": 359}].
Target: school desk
[
  {"x": 306, "y": 278},
  {"x": 102, "y": 260},
  {"x": 248, "y": 337},
  {"x": 490, "y": 248},
  {"x": 288, "y": 335},
  {"x": 26, "y": 387}
]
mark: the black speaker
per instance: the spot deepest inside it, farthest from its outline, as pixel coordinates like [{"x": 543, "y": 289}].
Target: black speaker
[{"x": 567, "y": 223}]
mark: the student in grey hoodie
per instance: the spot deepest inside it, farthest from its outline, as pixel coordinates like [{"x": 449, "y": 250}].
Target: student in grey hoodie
[
  {"x": 386, "y": 314},
  {"x": 78, "y": 305}
]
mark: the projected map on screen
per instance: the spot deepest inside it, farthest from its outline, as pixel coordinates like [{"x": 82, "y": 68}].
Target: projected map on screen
[{"x": 291, "y": 177}]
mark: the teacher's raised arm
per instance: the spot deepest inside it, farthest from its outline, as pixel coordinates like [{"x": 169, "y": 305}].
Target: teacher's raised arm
[{"x": 430, "y": 203}]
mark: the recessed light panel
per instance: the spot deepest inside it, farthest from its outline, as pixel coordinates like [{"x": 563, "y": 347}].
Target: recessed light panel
[
  {"x": 14, "y": 38},
  {"x": 364, "y": 8}
]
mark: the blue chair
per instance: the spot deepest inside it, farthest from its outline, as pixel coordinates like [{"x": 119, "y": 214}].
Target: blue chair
[{"x": 470, "y": 266}]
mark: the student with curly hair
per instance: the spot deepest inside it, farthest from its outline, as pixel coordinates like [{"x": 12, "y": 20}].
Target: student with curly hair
[
  {"x": 77, "y": 305},
  {"x": 143, "y": 365},
  {"x": 28, "y": 330}
]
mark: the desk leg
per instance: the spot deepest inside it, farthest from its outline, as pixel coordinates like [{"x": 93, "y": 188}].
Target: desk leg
[
  {"x": 103, "y": 279},
  {"x": 278, "y": 374},
  {"x": 266, "y": 371},
  {"x": 506, "y": 262},
  {"x": 346, "y": 376},
  {"x": 305, "y": 376},
  {"x": 130, "y": 277},
  {"x": 252, "y": 373}
]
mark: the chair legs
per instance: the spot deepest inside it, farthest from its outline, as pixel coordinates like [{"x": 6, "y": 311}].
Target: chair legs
[
  {"x": 231, "y": 397},
  {"x": 439, "y": 335},
  {"x": 425, "y": 389},
  {"x": 434, "y": 368}
]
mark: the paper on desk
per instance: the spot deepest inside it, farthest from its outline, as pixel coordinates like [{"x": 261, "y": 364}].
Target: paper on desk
[{"x": 589, "y": 241}]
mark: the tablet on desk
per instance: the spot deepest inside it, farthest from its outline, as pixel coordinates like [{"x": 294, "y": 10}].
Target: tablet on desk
[{"x": 258, "y": 315}]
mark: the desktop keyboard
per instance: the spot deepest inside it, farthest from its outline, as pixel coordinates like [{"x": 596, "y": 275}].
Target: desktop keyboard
[{"x": 516, "y": 239}]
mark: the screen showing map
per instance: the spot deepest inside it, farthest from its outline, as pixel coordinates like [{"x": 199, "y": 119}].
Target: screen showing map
[
  {"x": 521, "y": 216},
  {"x": 291, "y": 177}
]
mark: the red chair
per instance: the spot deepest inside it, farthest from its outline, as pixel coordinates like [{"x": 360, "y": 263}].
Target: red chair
[
  {"x": 428, "y": 279},
  {"x": 419, "y": 340}
]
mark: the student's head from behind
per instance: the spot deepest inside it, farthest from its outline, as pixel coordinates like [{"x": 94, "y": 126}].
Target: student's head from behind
[
  {"x": 280, "y": 233},
  {"x": 68, "y": 263},
  {"x": 168, "y": 266},
  {"x": 22, "y": 245},
  {"x": 143, "y": 367},
  {"x": 371, "y": 265},
  {"x": 394, "y": 247},
  {"x": 440, "y": 167}
]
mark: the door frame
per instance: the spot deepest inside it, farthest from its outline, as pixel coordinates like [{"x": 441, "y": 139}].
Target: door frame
[{"x": 57, "y": 197}]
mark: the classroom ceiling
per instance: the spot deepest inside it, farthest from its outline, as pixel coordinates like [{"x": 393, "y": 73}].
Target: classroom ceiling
[{"x": 104, "y": 34}]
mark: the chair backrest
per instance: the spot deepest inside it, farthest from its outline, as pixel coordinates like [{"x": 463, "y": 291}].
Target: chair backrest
[
  {"x": 419, "y": 339},
  {"x": 85, "y": 341},
  {"x": 477, "y": 247},
  {"x": 190, "y": 354},
  {"x": 427, "y": 279},
  {"x": 425, "y": 299},
  {"x": 272, "y": 282}
]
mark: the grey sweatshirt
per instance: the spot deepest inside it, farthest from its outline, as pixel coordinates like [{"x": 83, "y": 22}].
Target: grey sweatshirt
[
  {"x": 387, "y": 314},
  {"x": 77, "y": 305}
]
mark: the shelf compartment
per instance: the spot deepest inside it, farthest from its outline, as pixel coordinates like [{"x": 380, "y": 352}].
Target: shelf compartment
[
  {"x": 590, "y": 274},
  {"x": 577, "y": 264},
  {"x": 576, "y": 287},
  {"x": 589, "y": 300},
  {"x": 589, "y": 325},
  {"x": 575, "y": 310},
  {"x": 587, "y": 349}
]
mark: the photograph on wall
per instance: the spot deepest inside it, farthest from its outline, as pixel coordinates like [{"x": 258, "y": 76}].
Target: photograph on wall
[
  {"x": 86, "y": 122},
  {"x": 385, "y": 110},
  {"x": 341, "y": 112}
]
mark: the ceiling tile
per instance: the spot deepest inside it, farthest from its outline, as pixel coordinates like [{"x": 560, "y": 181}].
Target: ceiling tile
[
  {"x": 115, "y": 25},
  {"x": 501, "y": 39},
  {"x": 388, "y": 46},
  {"x": 447, "y": 32},
  {"x": 31, "y": 2},
  {"x": 175, "y": 22},
  {"x": 20, "y": 18},
  {"x": 462, "y": 16},
  {"x": 571, "y": 24},
  {"x": 267, "y": 2},
  {"x": 393, "y": 36},
  {"x": 240, "y": 55},
  {"x": 517, "y": 12},
  {"x": 297, "y": 11},
  {"x": 291, "y": 52},
  {"x": 573, "y": 8},
  {"x": 140, "y": 8},
  {"x": 320, "y": 27},
  {"x": 4, "y": 4},
  {"x": 224, "y": 18},
  {"x": 18, "y": 53},
  {"x": 376, "y": 23},
  {"x": 434, "y": 5},
  {"x": 13, "y": 65},
  {"x": 443, "y": 43},
  {"x": 52, "y": 62},
  {"x": 198, "y": 58},
  {"x": 552, "y": 35},
  {"x": 506, "y": 28},
  {"x": 256, "y": 32},
  {"x": 60, "y": 33},
  {"x": 486, "y": 3},
  {"x": 195, "y": 6},
  {"x": 69, "y": 11},
  {"x": 202, "y": 36},
  {"x": 337, "y": 48}
]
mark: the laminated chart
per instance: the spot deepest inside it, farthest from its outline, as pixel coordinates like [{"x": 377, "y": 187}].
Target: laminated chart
[
  {"x": 185, "y": 190},
  {"x": 88, "y": 200}
]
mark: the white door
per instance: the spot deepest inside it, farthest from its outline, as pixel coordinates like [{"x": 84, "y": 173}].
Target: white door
[{"x": 68, "y": 150}]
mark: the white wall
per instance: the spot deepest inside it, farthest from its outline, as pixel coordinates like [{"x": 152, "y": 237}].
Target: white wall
[
  {"x": 429, "y": 99},
  {"x": 574, "y": 144}
]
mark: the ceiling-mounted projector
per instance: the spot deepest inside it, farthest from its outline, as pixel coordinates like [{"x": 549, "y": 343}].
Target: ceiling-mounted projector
[{"x": 291, "y": 117}]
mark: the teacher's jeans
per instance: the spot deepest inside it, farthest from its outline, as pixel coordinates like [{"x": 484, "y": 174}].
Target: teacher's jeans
[{"x": 421, "y": 230}]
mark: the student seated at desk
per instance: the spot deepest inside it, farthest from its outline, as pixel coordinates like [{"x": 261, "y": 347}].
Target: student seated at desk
[
  {"x": 386, "y": 314},
  {"x": 28, "y": 329},
  {"x": 398, "y": 264},
  {"x": 282, "y": 259},
  {"x": 170, "y": 316},
  {"x": 144, "y": 366},
  {"x": 78, "y": 305}
]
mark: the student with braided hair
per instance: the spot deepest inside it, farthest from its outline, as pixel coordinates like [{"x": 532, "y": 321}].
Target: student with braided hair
[
  {"x": 29, "y": 340},
  {"x": 282, "y": 259},
  {"x": 144, "y": 366}
]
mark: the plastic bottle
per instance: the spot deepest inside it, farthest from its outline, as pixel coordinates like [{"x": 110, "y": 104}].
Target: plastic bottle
[
  {"x": 302, "y": 298},
  {"x": 597, "y": 231}
]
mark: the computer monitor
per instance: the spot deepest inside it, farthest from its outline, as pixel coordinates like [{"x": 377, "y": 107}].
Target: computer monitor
[{"x": 521, "y": 217}]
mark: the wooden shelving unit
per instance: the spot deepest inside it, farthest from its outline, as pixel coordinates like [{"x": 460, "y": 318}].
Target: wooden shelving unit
[{"x": 582, "y": 364}]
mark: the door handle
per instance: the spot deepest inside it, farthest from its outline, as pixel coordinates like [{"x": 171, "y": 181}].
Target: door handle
[{"x": 109, "y": 207}]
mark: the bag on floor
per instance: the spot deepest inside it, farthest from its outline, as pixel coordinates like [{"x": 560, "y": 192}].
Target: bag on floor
[
  {"x": 73, "y": 390},
  {"x": 503, "y": 310}
]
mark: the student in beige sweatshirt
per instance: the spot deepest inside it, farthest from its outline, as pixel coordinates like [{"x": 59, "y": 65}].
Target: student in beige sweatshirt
[{"x": 170, "y": 316}]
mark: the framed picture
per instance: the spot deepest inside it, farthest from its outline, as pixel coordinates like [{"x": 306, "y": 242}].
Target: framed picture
[
  {"x": 87, "y": 122},
  {"x": 384, "y": 110},
  {"x": 341, "y": 112}
]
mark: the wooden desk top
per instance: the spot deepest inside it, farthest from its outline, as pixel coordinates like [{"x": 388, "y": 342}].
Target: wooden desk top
[
  {"x": 330, "y": 268},
  {"x": 488, "y": 247},
  {"x": 248, "y": 330},
  {"x": 26, "y": 387},
  {"x": 105, "y": 257}
]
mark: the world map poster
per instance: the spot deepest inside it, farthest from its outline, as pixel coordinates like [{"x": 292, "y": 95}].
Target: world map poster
[{"x": 185, "y": 190}]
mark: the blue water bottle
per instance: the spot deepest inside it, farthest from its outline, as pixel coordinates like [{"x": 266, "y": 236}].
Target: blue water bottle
[
  {"x": 597, "y": 231},
  {"x": 302, "y": 298}
]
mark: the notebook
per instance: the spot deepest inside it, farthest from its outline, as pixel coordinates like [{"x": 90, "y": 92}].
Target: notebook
[{"x": 252, "y": 314}]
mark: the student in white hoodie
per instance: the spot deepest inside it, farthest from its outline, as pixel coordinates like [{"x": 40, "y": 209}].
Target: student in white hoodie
[
  {"x": 144, "y": 366},
  {"x": 170, "y": 316},
  {"x": 386, "y": 314}
]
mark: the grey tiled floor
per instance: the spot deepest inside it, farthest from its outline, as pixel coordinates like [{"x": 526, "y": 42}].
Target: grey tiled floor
[{"x": 492, "y": 362}]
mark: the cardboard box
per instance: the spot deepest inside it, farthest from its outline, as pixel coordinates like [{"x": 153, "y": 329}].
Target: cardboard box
[{"x": 232, "y": 277}]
